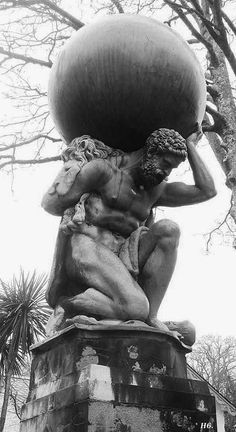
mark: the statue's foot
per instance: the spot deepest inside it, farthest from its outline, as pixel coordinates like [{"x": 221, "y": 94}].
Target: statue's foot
[
  {"x": 156, "y": 323},
  {"x": 110, "y": 322},
  {"x": 82, "y": 319},
  {"x": 136, "y": 323},
  {"x": 159, "y": 325}
]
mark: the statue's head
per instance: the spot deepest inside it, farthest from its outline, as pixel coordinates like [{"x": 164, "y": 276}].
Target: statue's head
[{"x": 164, "y": 150}]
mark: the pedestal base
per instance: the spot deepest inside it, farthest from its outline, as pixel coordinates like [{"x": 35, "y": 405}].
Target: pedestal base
[{"x": 117, "y": 380}]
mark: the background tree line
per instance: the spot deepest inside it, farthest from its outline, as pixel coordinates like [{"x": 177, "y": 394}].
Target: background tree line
[{"x": 214, "y": 358}]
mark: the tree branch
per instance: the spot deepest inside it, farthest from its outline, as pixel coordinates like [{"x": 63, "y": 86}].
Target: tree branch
[
  {"x": 29, "y": 141},
  {"x": 26, "y": 59},
  {"x": 75, "y": 23},
  {"x": 179, "y": 10},
  {"x": 229, "y": 22},
  {"x": 118, "y": 6},
  {"x": 13, "y": 161},
  {"x": 219, "y": 20},
  {"x": 221, "y": 37},
  {"x": 208, "y": 24},
  {"x": 219, "y": 120},
  {"x": 193, "y": 41},
  {"x": 224, "y": 221}
]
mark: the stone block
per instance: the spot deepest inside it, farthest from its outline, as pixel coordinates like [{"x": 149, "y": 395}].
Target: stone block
[{"x": 114, "y": 380}]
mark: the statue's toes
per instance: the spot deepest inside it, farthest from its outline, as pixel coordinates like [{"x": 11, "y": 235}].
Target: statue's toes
[{"x": 81, "y": 319}]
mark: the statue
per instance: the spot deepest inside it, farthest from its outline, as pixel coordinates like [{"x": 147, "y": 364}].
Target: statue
[
  {"x": 117, "y": 80},
  {"x": 114, "y": 82},
  {"x": 112, "y": 261}
]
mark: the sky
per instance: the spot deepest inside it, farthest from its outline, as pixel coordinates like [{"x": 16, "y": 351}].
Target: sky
[{"x": 203, "y": 286}]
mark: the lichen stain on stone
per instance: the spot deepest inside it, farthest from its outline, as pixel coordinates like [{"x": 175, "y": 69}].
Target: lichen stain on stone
[
  {"x": 133, "y": 352},
  {"x": 41, "y": 370},
  {"x": 88, "y": 356},
  {"x": 154, "y": 381},
  {"x": 138, "y": 419},
  {"x": 136, "y": 367},
  {"x": 121, "y": 427},
  {"x": 105, "y": 417},
  {"x": 156, "y": 370}
]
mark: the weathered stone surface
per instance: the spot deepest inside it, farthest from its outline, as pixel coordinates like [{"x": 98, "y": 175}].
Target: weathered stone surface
[
  {"x": 58, "y": 361},
  {"x": 94, "y": 380}
]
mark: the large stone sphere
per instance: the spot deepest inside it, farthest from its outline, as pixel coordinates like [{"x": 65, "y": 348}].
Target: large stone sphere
[{"x": 121, "y": 77}]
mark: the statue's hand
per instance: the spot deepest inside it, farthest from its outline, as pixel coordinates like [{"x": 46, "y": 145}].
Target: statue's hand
[
  {"x": 194, "y": 138},
  {"x": 73, "y": 226},
  {"x": 177, "y": 334}
]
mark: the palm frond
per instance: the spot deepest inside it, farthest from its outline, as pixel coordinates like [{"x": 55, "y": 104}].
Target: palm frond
[{"x": 23, "y": 316}]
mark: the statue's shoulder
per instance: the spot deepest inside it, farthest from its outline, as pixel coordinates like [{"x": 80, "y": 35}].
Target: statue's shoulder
[{"x": 157, "y": 191}]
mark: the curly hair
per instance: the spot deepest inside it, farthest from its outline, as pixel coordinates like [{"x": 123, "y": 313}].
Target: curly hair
[
  {"x": 166, "y": 140},
  {"x": 84, "y": 149}
]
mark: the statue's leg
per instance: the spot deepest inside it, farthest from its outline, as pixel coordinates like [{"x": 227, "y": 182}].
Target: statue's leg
[
  {"x": 109, "y": 291},
  {"x": 157, "y": 258}
]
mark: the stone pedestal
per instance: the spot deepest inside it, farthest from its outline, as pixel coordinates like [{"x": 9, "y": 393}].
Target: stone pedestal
[{"x": 114, "y": 379}]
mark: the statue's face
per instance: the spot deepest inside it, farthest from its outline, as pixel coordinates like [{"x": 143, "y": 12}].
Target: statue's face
[{"x": 156, "y": 167}]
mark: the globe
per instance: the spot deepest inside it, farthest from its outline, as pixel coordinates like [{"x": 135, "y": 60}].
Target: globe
[{"x": 123, "y": 76}]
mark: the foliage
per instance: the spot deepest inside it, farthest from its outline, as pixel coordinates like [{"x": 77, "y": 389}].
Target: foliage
[
  {"x": 214, "y": 358},
  {"x": 23, "y": 315},
  {"x": 23, "y": 312}
]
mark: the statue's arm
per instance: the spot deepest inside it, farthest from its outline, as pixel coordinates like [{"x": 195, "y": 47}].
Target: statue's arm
[
  {"x": 178, "y": 193},
  {"x": 72, "y": 182}
]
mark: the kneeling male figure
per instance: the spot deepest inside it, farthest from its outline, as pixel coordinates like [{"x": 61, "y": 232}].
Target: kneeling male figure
[{"x": 116, "y": 262}]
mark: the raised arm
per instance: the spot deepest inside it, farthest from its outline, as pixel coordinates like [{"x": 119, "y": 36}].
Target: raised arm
[
  {"x": 72, "y": 182},
  {"x": 178, "y": 194}
]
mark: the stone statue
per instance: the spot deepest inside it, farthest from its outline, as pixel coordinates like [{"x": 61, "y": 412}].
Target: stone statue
[{"x": 112, "y": 261}]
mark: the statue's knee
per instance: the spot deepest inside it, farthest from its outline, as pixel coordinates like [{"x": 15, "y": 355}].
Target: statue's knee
[
  {"x": 166, "y": 227},
  {"x": 167, "y": 233}
]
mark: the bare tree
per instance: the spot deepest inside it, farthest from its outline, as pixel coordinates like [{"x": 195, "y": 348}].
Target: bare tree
[
  {"x": 214, "y": 358},
  {"x": 32, "y": 32},
  {"x": 210, "y": 24}
]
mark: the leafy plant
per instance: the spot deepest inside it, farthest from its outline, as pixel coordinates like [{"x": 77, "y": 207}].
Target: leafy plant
[{"x": 23, "y": 315}]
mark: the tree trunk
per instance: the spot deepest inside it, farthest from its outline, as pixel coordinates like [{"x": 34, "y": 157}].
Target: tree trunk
[
  {"x": 222, "y": 96},
  {"x": 226, "y": 107},
  {"x": 7, "y": 388}
]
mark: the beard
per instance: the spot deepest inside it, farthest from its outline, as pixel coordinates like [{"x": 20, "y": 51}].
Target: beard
[{"x": 150, "y": 175}]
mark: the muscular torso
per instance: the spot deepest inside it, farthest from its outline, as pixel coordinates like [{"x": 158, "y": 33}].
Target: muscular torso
[{"x": 120, "y": 206}]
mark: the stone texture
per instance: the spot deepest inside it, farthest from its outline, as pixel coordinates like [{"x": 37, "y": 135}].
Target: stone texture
[{"x": 114, "y": 380}]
